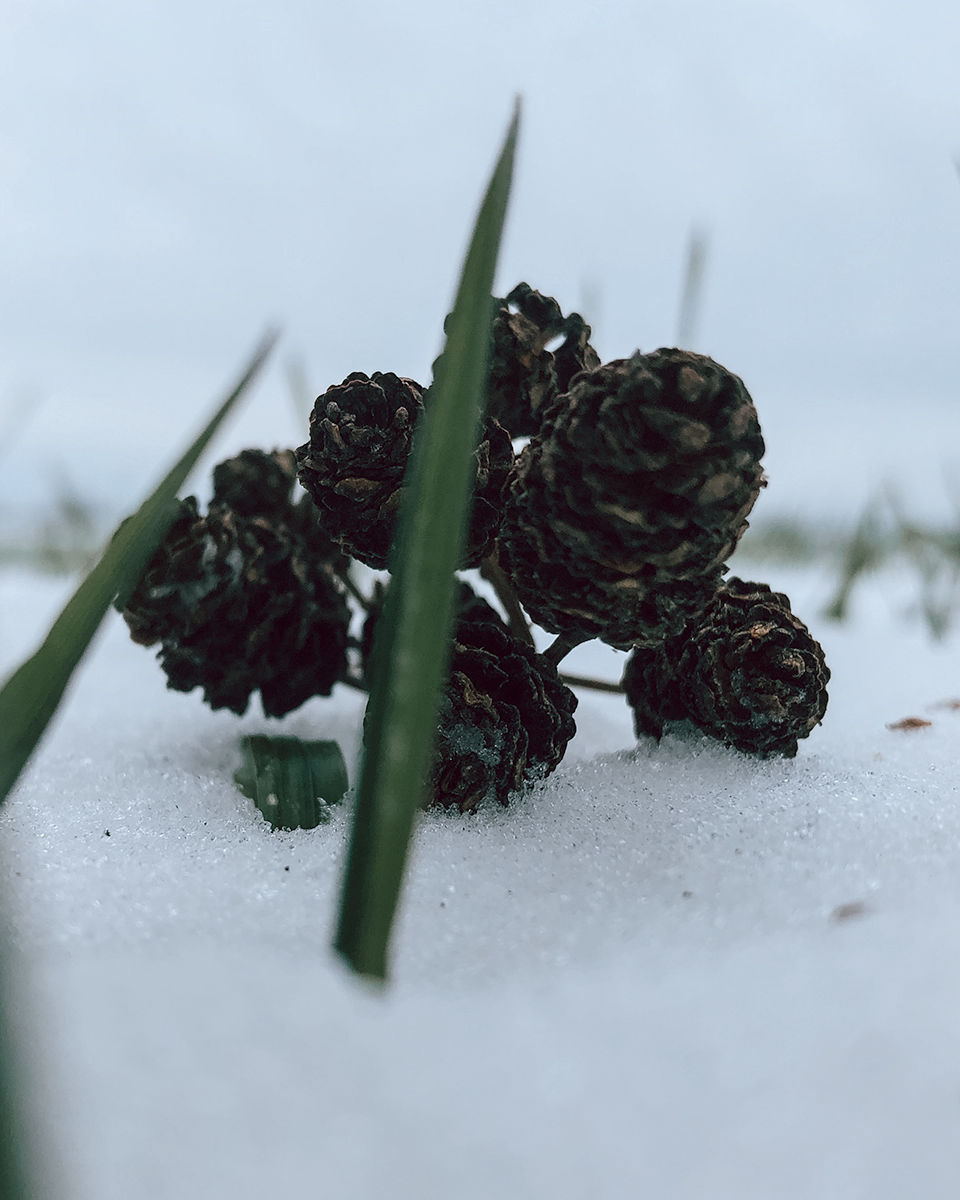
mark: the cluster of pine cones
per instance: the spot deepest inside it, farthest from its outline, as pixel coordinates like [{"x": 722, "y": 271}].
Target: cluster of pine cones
[{"x": 615, "y": 521}]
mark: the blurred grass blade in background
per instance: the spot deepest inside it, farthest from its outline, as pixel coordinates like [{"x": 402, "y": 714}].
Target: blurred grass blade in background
[
  {"x": 412, "y": 648},
  {"x": 30, "y": 697},
  {"x": 293, "y": 783},
  {"x": 867, "y": 548},
  {"x": 691, "y": 299},
  {"x": 18, "y": 1154}
]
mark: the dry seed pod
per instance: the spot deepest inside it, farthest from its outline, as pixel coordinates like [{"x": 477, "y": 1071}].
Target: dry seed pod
[
  {"x": 524, "y": 375},
  {"x": 353, "y": 466},
  {"x": 625, "y": 506},
  {"x": 747, "y": 672},
  {"x": 241, "y": 604},
  {"x": 468, "y": 606},
  {"x": 255, "y": 483},
  {"x": 574, "y": 354},
  {"x": 259, "y": 484},
  {"x": 505, "y": 718}
]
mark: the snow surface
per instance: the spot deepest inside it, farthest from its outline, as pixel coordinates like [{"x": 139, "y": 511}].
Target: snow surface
[{"x": 668, "y": 971}]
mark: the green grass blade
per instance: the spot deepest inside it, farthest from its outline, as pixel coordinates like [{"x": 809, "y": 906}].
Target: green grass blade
[
  {"x": 293, "y": 783},
  {"x": 412, "y": 648},
  {"x": 30, "y": 697}
]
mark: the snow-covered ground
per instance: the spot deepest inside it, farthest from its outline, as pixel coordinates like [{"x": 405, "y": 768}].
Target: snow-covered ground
[{"x": 669, "y": 971}]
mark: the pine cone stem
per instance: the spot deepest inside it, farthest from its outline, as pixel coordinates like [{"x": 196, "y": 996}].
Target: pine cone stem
[
  {"x": 494, "y": 574},
  {"x": 597, "y": 685},
  {"x": 561, "y": 646},
  {"x": 353, "y": 590}
]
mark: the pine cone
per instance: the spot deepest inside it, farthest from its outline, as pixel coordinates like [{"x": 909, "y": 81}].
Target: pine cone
[
  {"x": 256, "y": 484},
  {"x": 240, "y": 604},
  {"x": 524, "y": 376},
  {"x": 354, "y": 464},
  {"x": 747, "y": 672},
  {"x": 625, "y": 506},
  {"x": 574, "y": 354},
  {"x": 505, "y": 718},
  {"x": 468, "y": 606},
  {"x": 494, "y": 455}
]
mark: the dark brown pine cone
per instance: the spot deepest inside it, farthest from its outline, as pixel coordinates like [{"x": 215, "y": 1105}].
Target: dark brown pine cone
[
  {"x": 468, "y": 606},
  {"x": 574, "y": 354},
  {"x": 255, "y": 483},
  {"x": 505, "y": 718},
  {"x": 625, "y": 506},
  {"x": 747, "y": 672},
  {"x": 524, "y": 375},
  {"x": 258, "y": 484},
  {"x": 354, "y": 463},
  {"x": 241, "y": 604}
]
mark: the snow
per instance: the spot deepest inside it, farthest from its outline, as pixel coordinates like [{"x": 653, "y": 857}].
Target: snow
[{"x": 667, "y": 970}]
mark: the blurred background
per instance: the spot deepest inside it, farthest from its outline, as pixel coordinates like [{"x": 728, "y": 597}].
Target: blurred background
[{"x": 177, "y": 176}]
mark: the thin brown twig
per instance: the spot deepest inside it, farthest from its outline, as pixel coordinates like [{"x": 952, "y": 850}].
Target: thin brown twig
[
  {"x": 494, "y": 574},
  {"x": 598, "y": 685},
  {"x": 361, "y": 599},
  {"x": 561, "y": 646}
]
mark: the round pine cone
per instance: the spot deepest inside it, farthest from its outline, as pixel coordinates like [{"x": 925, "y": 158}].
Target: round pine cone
[
  {"x": 241, "y": 604},
  {"x": 524, "y": 375},
  {"x": 505, "y": 718},
  {"x": 255, "y": 483},
  {"x": 353, "y": 466},
  {"x": 468, "y": 606},
  {"x": 625, "y": 506},
  {"x": 258, "y": 484},
  {"x": 747, "y": 672}
]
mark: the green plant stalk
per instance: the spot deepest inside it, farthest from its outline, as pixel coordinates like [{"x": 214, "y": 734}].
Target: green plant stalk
[
  {"x": 32, "y": 694},
  {"x": 412, "y": 647}
]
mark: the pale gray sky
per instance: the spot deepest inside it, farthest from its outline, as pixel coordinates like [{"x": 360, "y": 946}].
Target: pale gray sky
[{"x": 175, "y": 176}]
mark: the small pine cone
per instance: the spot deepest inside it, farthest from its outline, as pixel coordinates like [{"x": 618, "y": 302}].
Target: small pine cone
[
  {"x": 256, "y": 484},
  {"x": 468, "y": 606},
  {"x": 241, "y": 604},
  {"x": 524, "y": 376},
  {"x": 747, "y": 672},
  {"x": 626, "y": 505},
  {"x": 574, "y": 354},
  {"x": 494, "y": 457},
  {"x": 353, "y": 466},
  {"x": 505, "y": 718},
  {"x": 305, "y": 523}
]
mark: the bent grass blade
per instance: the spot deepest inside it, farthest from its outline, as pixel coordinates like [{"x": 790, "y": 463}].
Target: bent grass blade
[
  {"x": 32, "y": 694},
  {"x": 293, "y": 783}
]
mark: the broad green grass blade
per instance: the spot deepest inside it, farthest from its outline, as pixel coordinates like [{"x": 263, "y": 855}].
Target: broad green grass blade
[
  {"x": 293, "y": 783},
  {"x": 30, "y": 697},
  {"x": 412, "y": 648}
]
